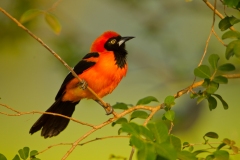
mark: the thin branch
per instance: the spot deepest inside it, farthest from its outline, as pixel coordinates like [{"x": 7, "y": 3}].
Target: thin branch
[
  {"x": 218, "y": 38},
  {"x": 131, "y": 154},
  {"x": 18, "y": 113},
  {"x": 81, "y": 144},
  {"x": 103, "y": 138},
  {"x": 171, "y": 127},
  {"x": 152, "y": 113},
  {"x": 210, "y": 34},
  {"x": 206, "y": 46},
  {"x": 231, "y": 76},
  {"x": 54, "y": 145},
  {"x": 55, "y": 55},
  {"x": 183, "y": 91}
]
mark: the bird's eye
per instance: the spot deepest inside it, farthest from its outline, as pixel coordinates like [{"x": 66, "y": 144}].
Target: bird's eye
[{"x": 113, "y": 41}]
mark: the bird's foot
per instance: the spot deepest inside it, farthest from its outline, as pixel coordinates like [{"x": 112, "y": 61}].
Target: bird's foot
[
  {"x": 108, "y": 108},
  {"x": 83, "y": 85}
]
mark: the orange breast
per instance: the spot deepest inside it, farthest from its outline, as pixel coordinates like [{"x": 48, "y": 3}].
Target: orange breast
[{"x": 103, "y": 78}]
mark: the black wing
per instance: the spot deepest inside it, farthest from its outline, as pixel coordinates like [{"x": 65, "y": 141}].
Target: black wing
[{"x": 78, "y": 69}]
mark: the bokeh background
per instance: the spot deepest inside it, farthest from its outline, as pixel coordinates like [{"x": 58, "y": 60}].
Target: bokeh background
[{"x": 170, "y": 40}]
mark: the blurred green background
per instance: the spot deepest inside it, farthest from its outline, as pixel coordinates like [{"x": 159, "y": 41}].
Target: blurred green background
[{"x": 170, "y": 40}]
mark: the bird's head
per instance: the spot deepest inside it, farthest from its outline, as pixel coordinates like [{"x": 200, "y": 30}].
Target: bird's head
[{"x": 109, "y": 41}]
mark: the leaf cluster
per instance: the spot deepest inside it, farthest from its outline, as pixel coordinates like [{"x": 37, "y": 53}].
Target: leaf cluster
[
  {"x": 218, "y": 152},
  {"x": 212, "y": 79},
  {"x": 23, "y": 154},
  {"x": 136, "y": 114},
  {"x": 49, "y": 17},
  {"x": 154, "y": 143}
]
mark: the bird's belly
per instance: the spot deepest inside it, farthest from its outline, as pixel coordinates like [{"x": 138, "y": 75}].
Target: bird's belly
[{"x": 102, "y": 83}]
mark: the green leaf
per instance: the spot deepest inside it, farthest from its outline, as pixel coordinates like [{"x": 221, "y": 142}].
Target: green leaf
[
  {"x": 147, "y": 100},
  {"x": 227, "y": 22},
  {"x": 159, "y": 130},
  {"x": 169, "y": 101},
  {"x": 120, "y": 121},
  {"x": 119, "y": 131},
  {"x": 131, "y": 128},
  {"x": 2, "y": 157},
  {"x": 212, "y": 103},
  {"x": 30, "y": 14},
  {"x": 33, "y": 153},
  {"x": 213, "y": 60},
  {"x": 175, "y": 142},
  {"x": 211, "y": 135},
  {"x": 170, "y": 115},
  {"x": 191, "y": 148},
  {"x": 136, "y": 141},
  {"x": 230, "y": 49},
  {"x": 193, "y": 95},
  {"x": 147, "y": 153},
  {"x": 147, "y": 134},
  {"x": 225, "y": 105},
  {"x": 212, "y": 87},
  {"x": 166, "y": 151},
  {"x": 236, "y": 50},
  {"x": 206, "y": 83},
  {"x": 226, "y": 67},
  {"x": 233, "y": 49},
  {"x": 201, "y": 98},
  {"x": 199, "y": 152},
  {"x": 53, "y": 22},
  {"x": 231, "y": 3},
  {"x": 137, "y": 130},
  {"x": 186, "y": 144},
  {"x": 220, "y": 79},
  {"x": 210, "y": 157},
  {"x": 139, "y": 114},
  {"x": 231, "y": 34},
  {"x": 233, "y": 20},
  {"x": 122, "y": 106},
  {"x": 185, "y": 155},
  {"x": 202, "y": 71},
  {"x": 221, "y": 155},
  {"x": 221, "y": 145},
  {"x": 24, "y": 153},
  {"x": 16, "y": 157},
  {"x": 224, "y": 24}
]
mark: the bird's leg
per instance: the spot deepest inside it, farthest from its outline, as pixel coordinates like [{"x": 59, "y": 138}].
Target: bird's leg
[
  {"x": 108, "y": 108},
  {"x": 83, "y": 85}
]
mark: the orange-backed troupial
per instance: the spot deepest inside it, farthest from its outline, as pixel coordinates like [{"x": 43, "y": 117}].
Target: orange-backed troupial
[{"x": 102, "y": 69}]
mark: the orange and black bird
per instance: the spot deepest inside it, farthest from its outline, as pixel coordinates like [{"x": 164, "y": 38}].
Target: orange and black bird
[{"x": 102, "y": 69}]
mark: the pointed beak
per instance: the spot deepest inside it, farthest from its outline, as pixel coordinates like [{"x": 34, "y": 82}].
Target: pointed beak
[{"x": 124, "y": 39}]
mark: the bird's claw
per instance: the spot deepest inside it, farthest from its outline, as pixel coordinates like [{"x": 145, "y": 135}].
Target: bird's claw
[
  {"x": 109, "y": 109},
  {"x": 83, "y": 85}
]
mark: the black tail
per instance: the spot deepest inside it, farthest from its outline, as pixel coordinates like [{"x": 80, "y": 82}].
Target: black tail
[{"x": 53, "y": 125}]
